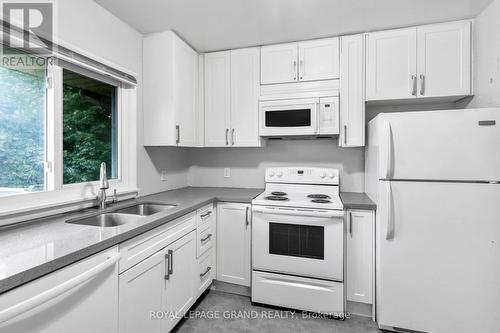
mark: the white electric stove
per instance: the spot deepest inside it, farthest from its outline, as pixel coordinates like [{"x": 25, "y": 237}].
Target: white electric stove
[{"x": 298, "y": 241}]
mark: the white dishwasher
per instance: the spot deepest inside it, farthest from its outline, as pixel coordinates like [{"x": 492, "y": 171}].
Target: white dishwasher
[{"x": 79, "y": 298}]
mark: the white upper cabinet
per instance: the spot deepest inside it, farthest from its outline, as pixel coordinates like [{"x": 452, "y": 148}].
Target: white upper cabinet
[
  {"x": 217, "y": 98},
  {"x": 391, "y": 64},
  {"x": 303, "y": 61},
  {"x": 171, "y": 109},
  {"x": 319, "y": 59},
  {"x": 245, "y": 88},
  {"x": 231, "y": 98},
  {"x": 352, "y": 88},
  {"x": 444, "y": 59},
  {"x": 279, "y": 63},
  {"x": 426, "y": 61}
]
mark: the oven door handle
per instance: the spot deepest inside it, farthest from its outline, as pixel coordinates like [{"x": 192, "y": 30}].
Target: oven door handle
[{"x": 300, "y": 212}]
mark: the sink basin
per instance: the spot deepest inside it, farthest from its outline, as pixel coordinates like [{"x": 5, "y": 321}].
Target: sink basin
[
  {"x": 145, "y": 209},
  {"x": 105, "y": 220}
]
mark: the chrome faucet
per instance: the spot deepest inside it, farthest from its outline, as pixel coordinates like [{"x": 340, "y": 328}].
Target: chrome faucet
[{"x": 103, "y": 186}]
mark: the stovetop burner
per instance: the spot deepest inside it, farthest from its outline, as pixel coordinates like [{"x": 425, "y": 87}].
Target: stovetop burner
[
  {"x": 278, "y": 193},
  {"x": 318, "y": 196},
  {"x": 321, "y": 200},
  {"x": 276, "y": 198}
]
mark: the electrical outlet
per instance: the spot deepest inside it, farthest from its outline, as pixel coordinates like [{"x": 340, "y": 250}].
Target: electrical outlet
[
  {"x": 163, "y": 175},
  {"x": 227, "y": 173}
]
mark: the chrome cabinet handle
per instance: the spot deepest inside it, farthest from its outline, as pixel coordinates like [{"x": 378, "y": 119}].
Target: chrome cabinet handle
[
  {"x": 414, "y": 85},
  {"x": 422, "y": 84},
  {"x": 295, "y": 69},
  {"x": 167, "y": 268},
  {"x": 301, "y": 69},
  {"x": 178, "y": 130},
  {"x": 227, "y": 136},
  {"x": 170, "y": 262},
  {"x": 350, "y": 224},
  {"x": 206, "y": 214},
  {"x": 206, "y": 238},
  {"x": 232, "y": 137},
  {"x": 247, "y": 222},
  {"x": 345, "y": 135},
  {"x": 202, "y": 275}
]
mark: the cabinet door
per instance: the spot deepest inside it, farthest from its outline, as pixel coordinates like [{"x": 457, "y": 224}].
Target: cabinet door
[
  {"x": 233, "y": 243},
  {"x": 352, "y": 97},
  {"x": 186, "y": 93},
  {"x": 279, "y": 63},
  {"x": 142, "y": 289},
  {"x": 245, "y": 68},
  {"x": 444, "y": 59},
  {"x": 360, "y": 256},
  {"x": 180, "y": 287},
  {"x": 391, "y": 64},
  {"x": 217, "y": 98},
  {"x": 319, "y": 59}
]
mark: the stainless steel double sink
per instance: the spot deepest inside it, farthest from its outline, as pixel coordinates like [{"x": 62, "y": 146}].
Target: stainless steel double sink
[{"x": 122, "y": 216}]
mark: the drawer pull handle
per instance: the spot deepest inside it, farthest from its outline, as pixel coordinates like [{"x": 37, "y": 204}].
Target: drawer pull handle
[
  {"x": 206, "y": 238},
  {"x": 202, "y": 275},
  {"x": 206, "y": 214}
]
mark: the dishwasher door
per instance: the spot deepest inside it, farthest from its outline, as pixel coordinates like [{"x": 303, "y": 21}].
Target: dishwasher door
[{"x": 80, "y": 298}]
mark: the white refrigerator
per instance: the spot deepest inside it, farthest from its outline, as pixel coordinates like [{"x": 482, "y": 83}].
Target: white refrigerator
[{"x": 435, "y": 178}]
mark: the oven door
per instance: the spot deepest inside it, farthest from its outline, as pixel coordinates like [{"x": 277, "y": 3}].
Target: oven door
[
  {"x": 298, "y": 241},
  {"x": 288, "y": 117}
]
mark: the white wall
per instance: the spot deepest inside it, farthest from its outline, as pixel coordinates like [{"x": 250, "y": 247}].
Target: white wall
[
  {"x": 91, "y": 28},
  {"x": 248, "y": 164},
  {"x": 487, "y": 57}
]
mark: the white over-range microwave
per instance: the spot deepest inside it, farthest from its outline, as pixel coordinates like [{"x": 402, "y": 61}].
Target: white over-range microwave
[{"x": 298, "y": 117}]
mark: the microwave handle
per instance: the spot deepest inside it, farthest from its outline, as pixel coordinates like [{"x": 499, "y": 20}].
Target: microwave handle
[{"x": 299, "y": 212}]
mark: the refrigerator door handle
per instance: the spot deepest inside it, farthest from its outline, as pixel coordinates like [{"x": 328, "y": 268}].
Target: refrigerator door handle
[
  {"x": 388, "y": 157},
  {"x": 390, "y": 219}
]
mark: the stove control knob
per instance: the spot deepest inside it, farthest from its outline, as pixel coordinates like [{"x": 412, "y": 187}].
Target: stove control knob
[
  {"x": 279, "y": 174},
  {"x": 322, "y": 175},
  {"x": 271, "y": 173},
  {"x": 331, "y": 175}
]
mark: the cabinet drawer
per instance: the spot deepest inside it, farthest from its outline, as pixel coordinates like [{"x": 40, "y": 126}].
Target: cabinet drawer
[
  {"x": 139, "y": 248},
  {"x": 205, "y": 272},
  {"x": 205, "y": 236},
  {"x": 205, "y": 215}
]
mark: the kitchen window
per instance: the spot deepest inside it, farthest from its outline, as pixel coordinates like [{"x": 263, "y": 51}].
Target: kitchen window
[
  {"x": 22, "y": 130},
  {"x": 58, "y": 123},
  {"x": 89, "y": 128}
]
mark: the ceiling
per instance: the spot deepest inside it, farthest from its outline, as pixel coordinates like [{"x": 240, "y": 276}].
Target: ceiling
[{"x": 210, "y": 25}]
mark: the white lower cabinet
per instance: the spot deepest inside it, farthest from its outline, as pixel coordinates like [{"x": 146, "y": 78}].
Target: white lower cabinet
[
  {"x": 180, "y": 278},
  {"x": 79, "y": 298},
  {"x": 233, "y": 243},
  {"x": 360, "y": 254},
  {"x": 156, "y": 292},
  {"x": 142, "y": 290}
]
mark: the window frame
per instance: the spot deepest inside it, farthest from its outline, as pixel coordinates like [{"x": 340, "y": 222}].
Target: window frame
[{"x": 59, "y": 197}]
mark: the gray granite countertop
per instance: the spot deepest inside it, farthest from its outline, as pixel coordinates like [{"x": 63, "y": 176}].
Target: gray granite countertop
[
  {"x": 33, "y": 249},
  {"x": 354, "y": 200}
]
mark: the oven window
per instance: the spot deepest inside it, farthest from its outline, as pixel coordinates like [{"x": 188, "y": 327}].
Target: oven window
[
  {"x": 288, "y": 118},
  {"x": 296, "y": 240}
]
